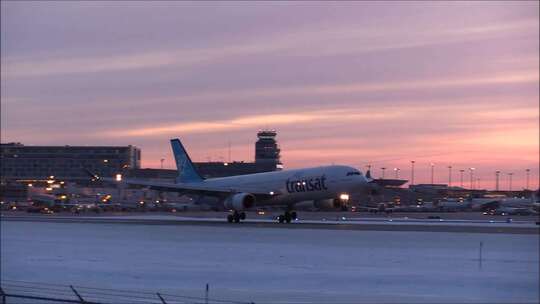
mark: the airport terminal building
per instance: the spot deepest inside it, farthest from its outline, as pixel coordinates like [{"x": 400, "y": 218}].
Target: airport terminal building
[{"x": 20, "y": 162}]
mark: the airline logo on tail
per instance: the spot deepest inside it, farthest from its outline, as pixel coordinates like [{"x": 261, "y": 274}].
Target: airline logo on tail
[{"x": 186, "y": 170}]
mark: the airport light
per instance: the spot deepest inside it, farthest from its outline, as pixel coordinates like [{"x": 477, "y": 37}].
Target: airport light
[
  {"x": 118, "y": 177},
  {"x": 432, "y": 171},
  {"x": 396, "y": 171},
  {"x": 471, "y": 175},
  {"x": 449, "y": 176},
  {"x": 105, "y": 160},
  {"x": 497, "y": 174},
  {"x": 528, "y": 174},
  {"x": 461, "y": 177},
  {"x": 412, "y": 172},
  {"x": 229, "y": 151},
  {"x": 30, "y": 185},
  {"x": 344, "y": 197}
]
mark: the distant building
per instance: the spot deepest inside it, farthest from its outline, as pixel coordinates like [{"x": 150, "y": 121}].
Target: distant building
[
  {"x": 267, "y": 158},
  {"x": 20, "y": 162},
  {"x": 267, "y": 150},
  {"x": 443, "y": 190},
  {"x": 219, "y": 169}
]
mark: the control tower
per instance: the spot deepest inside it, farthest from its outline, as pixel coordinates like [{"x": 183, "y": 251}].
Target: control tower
[{"x": 266, "y": 149}]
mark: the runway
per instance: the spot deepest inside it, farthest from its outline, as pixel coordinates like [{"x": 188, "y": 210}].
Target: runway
[
  {"x": 339, "y": 223},
  {"x": 253, "y": 263}
]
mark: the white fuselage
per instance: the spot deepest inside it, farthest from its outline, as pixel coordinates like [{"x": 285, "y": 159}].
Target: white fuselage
[{"x": 289, "y": 187}]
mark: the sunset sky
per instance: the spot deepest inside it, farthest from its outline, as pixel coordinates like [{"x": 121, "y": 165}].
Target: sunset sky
[{"x": 353, "y": 83}]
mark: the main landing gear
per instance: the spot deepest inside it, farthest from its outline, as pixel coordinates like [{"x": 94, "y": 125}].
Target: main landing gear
[
  {"x": 236, "y": 217},
  {"x": 287, "y": 217}
]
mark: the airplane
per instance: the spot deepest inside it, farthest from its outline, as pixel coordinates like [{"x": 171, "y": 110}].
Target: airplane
[{"x": 329, "y": 185}]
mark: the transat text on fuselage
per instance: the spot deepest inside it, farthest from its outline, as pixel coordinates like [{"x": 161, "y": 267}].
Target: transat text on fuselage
[{"x": 307, "y": 184}]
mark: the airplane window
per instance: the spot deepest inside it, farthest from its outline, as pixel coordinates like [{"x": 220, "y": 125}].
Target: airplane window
[{"x": 353, "y": 173}]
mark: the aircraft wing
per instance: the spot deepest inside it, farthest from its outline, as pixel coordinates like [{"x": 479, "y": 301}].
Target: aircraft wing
[{"x": 188, "y": 188}]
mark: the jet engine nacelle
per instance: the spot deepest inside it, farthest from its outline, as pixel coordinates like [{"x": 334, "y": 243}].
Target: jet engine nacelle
[
  {"x": 327, "y": 204},
  {"x": 240, "y": 201}
]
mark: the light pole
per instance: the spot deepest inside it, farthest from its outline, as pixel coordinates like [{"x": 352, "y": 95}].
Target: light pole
[
  {"x": 432, "y": 171},
  {"x": 528, "y": 172},
  {"x": 412, "y": 172},
  {"x": 497, "y": 173},
  {"x": 449, "y": 176},
  {"x": 368, "y": 170},
  {"x": 461, "y": 177},
  {"x": 396, "y": 171},
  {"x": 162, "y": 160},
  {"x": 478, "y": 183},
  {"x": 229, "y": 151},
  {"x": 510, "y": 181},
  {"x": 471, "y": 174},
  {"x": 383, "y": 168}
]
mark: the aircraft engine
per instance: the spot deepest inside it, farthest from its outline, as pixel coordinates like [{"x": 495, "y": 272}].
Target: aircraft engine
[
  {"x": 240, "y": 201},
  {"x": 327, "y": 204}
]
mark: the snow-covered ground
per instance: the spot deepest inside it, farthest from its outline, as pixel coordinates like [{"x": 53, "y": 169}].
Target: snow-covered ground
[{"x": 276, "y": 265}]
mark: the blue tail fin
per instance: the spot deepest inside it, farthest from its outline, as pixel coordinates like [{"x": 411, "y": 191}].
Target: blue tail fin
[{"x": 186, "y": 170}]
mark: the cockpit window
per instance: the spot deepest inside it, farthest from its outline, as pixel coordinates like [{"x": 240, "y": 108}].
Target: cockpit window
[{"x": 353, "y": 173}]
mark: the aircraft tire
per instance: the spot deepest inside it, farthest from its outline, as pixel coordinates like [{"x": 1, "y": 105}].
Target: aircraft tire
[
  {"x": 236, "y": 217},
  {"x": 230, "y": 218},
  {"x": 243, "y": 216},
  {"x": 287, "y": 217},
  {"x": 281, "y": 219},
  {"x": 294, "y": 215}
]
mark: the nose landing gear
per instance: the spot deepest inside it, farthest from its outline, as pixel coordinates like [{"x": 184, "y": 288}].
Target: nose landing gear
[{"x": 236, "y": 217}]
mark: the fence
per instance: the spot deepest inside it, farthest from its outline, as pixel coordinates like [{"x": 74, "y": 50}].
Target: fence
[{"x": 24, "y": 292}]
